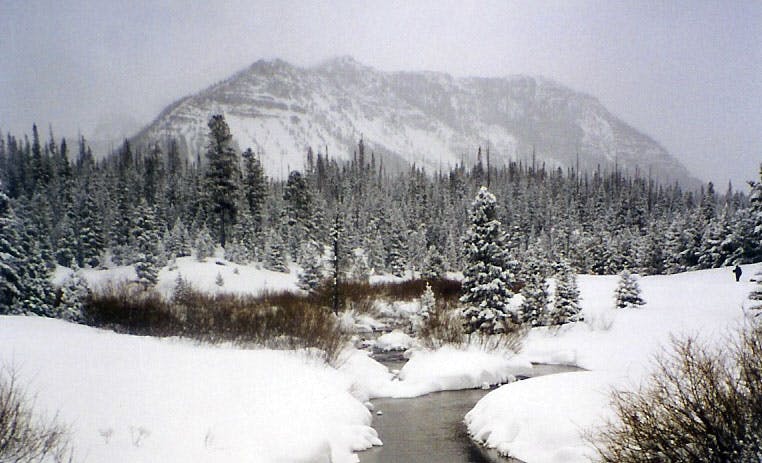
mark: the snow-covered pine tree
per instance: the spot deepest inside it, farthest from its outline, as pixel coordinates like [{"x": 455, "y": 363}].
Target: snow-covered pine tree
[
  {"x": 66, "y": 245},
  {"x": 534, "y": 308},
  {"x": 312, "y": 266},
  {"x": 242, "y": 246},
  {"x": 182, "y": 290},
  {"x": 176, "y": 241},
  {"x": 254, "y": 188},
  {"x": 433, "y": 264},
  {"x": 565, "y": 308},
  {"x": 755, "y": 202},
  {"x": 627, "y": 293},
  {"x": 89, "y": 231},
  {"x": 395, "y": 258},
  {"x": 73, "y": 294},
  {"x": 298, "y": 200},
  {"x": 223, "y": 176},
  {"x": 11, "y": 259},
  {"x": 416, "y": 247},
  {"x": 357, "y": 266},
  {"x": 204, "y": 244},
  {"x": 275, "y": 257},
  {"x": 146, "y": 238},
  {"x": 486, "y": 282}
]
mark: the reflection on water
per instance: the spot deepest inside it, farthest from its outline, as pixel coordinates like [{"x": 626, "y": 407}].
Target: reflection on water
[
  {"x": 425, "y": 429},
  {"x": 430, "y": 428}
]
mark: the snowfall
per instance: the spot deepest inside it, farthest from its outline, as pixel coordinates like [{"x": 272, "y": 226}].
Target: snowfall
[{"x": 141, "y": 399}]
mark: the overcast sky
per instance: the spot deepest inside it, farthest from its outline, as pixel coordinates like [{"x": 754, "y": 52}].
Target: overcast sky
[{"x": 688, "y": 73}]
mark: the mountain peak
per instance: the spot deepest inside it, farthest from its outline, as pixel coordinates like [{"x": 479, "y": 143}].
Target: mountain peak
[{"x": 434, "y": 120}]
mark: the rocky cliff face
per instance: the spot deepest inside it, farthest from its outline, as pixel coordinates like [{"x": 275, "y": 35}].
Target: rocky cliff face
[{"x": 431, "y": 119}]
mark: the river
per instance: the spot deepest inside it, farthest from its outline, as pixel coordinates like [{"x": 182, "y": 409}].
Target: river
[{"x": 430, "y": 428}]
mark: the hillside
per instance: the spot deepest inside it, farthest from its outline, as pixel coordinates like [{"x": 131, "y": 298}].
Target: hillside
[{"x": 431, "y": 119}]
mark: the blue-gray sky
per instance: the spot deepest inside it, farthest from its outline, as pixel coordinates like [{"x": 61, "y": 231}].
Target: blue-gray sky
[{"x": 688, "y": 73}]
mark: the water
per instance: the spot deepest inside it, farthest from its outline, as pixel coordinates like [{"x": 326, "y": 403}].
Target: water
[{"x": 430, "y": 428}]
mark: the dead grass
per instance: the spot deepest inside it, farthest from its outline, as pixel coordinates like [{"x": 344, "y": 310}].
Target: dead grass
[
  {"x": 270, "y": 319},
  {"x": 25, "y": 436}
]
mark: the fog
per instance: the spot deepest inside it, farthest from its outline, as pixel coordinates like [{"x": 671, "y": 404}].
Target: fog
[{"x": 687, "y": 73}]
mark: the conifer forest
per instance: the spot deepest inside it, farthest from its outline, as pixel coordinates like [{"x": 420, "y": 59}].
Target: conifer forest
[{"x": 61, "y": 204}]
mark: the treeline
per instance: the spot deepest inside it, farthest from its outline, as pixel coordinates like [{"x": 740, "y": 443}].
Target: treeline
[{"x": 147, "y": 207}]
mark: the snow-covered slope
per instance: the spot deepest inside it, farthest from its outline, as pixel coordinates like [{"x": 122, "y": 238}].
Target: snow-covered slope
[
  {"x": 542, "y": 420},
  {"x": 431, "y": 119},
  {"x": 142, "y": 399}
]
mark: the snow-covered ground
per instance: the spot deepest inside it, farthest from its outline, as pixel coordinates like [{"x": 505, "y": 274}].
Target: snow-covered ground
[
  {"x": 543, "y": 419},
  {"x": 130, "y": 398},
  {"x": 241, "y": 279}
]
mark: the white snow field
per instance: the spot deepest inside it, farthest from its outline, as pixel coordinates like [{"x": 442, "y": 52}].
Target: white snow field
[
  {"x": 130, "y": 398},
  {"x": 542, "y": 420},
  {"x": 141, "y": 399}
]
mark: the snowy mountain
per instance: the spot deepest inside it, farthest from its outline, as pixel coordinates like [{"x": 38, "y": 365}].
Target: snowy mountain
[{"x": 431, "y": 119}]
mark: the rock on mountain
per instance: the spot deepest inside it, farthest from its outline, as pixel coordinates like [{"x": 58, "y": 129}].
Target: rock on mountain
[{"x": 431, "y": 119}]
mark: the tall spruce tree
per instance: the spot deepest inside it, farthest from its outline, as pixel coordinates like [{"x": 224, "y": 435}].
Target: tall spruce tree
[
  {"x": 11, "y": 259},
  {"x": 146, "y": 237},
  {"x": 486, "y": 280},
  {"x": 223, "y": 176},
  {"x": 254, "y": 188}
]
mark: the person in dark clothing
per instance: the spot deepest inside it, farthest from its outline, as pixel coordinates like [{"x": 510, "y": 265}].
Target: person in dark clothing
[{"x": 738, "y": 272}]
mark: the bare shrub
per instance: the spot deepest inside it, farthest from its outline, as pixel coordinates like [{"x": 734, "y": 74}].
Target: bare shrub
[
  {"x": 512, "y": 341},
  {"x": 273, "y": 319},
  {"x": 26, "y": 437},
  {"x": 699, "y": 406},
  {"x": 443, "y": 326}
]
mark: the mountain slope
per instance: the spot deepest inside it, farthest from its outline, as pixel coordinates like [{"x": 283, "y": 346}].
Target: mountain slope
[{"x": 431, "y": 119}]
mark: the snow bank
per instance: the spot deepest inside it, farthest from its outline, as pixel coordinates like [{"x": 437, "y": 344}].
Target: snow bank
[
  {"x": 446, "y": 369},
  {"x": 541, "y": 419},
  {"x": 535, "y": 420},
  {"x": 451, "y": 368},
  {"x": 396, "y": 340},
  {"x": 130, "y": 398}
]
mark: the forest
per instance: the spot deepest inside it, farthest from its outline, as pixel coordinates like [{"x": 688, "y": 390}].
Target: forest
[{"x": 344, "y": 220}]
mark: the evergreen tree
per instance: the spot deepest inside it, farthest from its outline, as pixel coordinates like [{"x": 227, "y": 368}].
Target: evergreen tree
[
  {"x": 73, "y": 295},
  {"x": 11, "y": 260},
  {"x": 204, "y": 244},
  {"x": 298, "y": 201},
  {"x": 146, "y": 238},
  {"x": 357, "y": 266},
  {"x": 486, "y": 282},
  {"x": 254, "y": 188},
  {"x": 275, "y": 258},
  {"x": 534, "y": 308},
  {"x": 66, "y": 245},
  {"x": 177, "y": 242},
  {"x": 312, "y": 267},
  {"x": 755, "y": 201},
  {"x": 433, "y": 264},
  {"x": 90, "y": 244},
  {"x": 627, "y": 293},
  {"x": 565, "y": 307},
  {"x": 223, "y": 176},
  {"x": 396, "y": 256}
]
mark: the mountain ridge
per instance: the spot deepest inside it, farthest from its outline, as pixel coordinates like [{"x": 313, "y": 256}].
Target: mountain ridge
[{"x": 432, "y": 119}]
